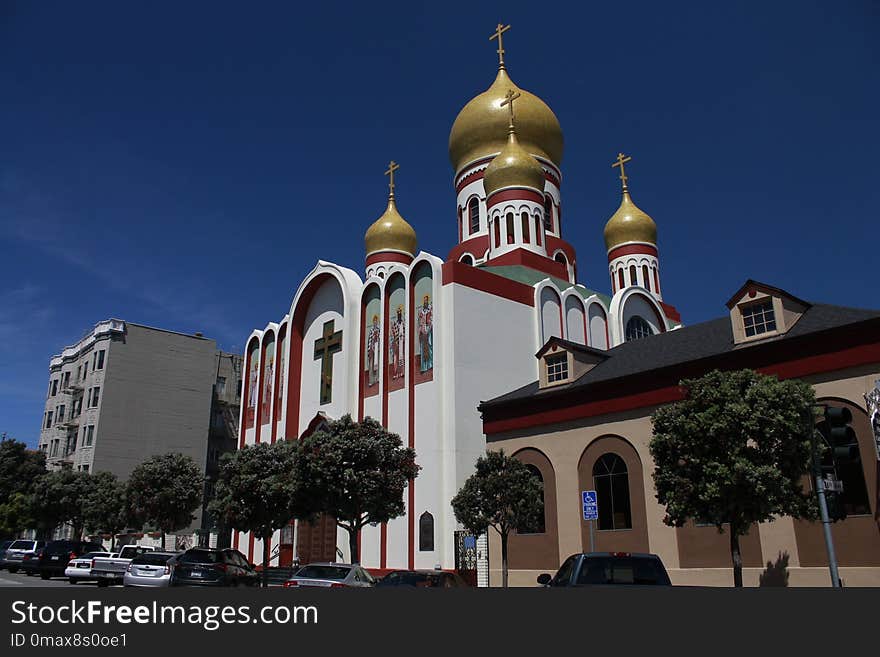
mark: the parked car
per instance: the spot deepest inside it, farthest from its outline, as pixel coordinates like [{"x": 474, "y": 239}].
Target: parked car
[
  {"x": 57, "y": 554},
  {"x": 331, "y": 575},
  {"x": 111, "y": 570},
  {"x": 440, "y": 579},
  {"x": 213, "y": 567},
  {"x": 150, "y": 569},
  {"x": 30, "y": 562},
  {"x": 609, "y": 568},
  {"x": 80, "y": 569},
  {"x": 15, "y": 552},
  {"x": 3, "y": 546}
]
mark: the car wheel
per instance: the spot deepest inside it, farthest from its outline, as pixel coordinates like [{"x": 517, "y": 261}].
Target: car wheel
[
  {"x": 12, "y": 569},
  {"x": 72, "y": 580},
  {"x": 102, "y": 583},
  {"x": 44, "y": 575}
]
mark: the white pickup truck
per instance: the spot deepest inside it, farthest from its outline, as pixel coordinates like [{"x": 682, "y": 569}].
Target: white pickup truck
[{"x": 110, "y": 570}]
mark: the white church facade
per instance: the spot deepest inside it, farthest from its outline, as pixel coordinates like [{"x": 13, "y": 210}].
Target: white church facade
[{"x": 395, "y": 342}]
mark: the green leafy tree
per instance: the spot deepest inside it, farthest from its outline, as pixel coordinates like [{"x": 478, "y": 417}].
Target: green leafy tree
[
  {"x": 163, "y": 492},
  {"x": 59, "y": 497},
  {"x": 734, "y": 452},
  {"x": 16, "y": 515},
  {"x": 503, "y": 494},
  {"x": 20, "y": 467},
  {"x": 256, "y": 491},
  {"x": 355, "y": 472},
  {"x": 106, "y": 508}
]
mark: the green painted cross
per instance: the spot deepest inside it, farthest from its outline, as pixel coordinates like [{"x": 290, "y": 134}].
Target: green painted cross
[{"x": 325, "y": 347}]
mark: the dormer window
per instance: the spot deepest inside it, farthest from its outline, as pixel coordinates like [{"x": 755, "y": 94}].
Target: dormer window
[
  {"x": 759, "y": 318},
  {"x": 557, "y": 367}
]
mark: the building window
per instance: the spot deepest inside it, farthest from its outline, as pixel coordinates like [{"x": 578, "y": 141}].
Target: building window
[
  {"x": 61, "y": 413},
  {"x": 221, "y": 385},
  {"x": 474, "y": 214},
  {"x": 645, "y": 277},
  {"x": 557, "y": 367},
  {"x": 101, "y": 359},
  {"x": 759, "y": 318},
  {"x": 90, "y": 435},
  {"x": 510, "y": 233},
  {"x": 621, "y": 284},
  {"x": 656, "y": 281},
  {"x": 85, "y": 467},
  {"x": 637, "y": 328},
  {"x": 633, "y": 278},
  {"x": 66, "y": 379},
  {"x": 94, "y": 360},
  {"x": 548, "y": 213},
  {"x": 460, "y": 224},
  {"x": 238, "y": 390},
  {"x": 538, "y": 229},
  {"x": 48, "y": 419},
  {"x": 426, "y": 532},
  {"x": 612, "y": 492},
  {"x": 497, "y": 234},
  {"x": 539, "y": 527},
  {"x": 54, "y": 387},
  {"x": 467, "y": 259},
  {"x": 96, "y": 391},
  {"x": 525, "y": 227}
]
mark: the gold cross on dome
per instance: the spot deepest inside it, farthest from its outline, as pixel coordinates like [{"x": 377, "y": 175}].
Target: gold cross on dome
[
  {"x": 508, "y": 100},
  {"x": 621, "y": 158},
  {"x": 392, "y": 167},
  {"x": 501, "y": 29}
]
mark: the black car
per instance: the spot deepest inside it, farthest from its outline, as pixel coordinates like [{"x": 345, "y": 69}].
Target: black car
[
  {"x": 56, "y": 554},
  {"x": 3, "y": 547},
  {"x": 609, "y": 568},
  {"x": 30, "y": 563},
  {"x": 213, "y": 567},
  {"x": 440, "y": 579}
]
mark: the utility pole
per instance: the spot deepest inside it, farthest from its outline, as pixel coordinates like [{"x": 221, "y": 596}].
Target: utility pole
[{"x": 823, "y": 508}]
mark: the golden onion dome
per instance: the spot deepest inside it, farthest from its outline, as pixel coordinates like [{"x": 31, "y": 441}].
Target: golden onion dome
[
  {"x": 629, "y": 224},
  {"x": 513, "y": 167},
  {"x": 391, "y": 232},
  {"x": 480, "y": 129}
]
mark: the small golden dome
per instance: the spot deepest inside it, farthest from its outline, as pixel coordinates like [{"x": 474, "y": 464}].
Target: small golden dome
[
  {"x": 480, "y": 129},
  {"x": 391, "y": 232},
  {"x": 513, "y": 167},
  {"x": 629, "y": 224}
]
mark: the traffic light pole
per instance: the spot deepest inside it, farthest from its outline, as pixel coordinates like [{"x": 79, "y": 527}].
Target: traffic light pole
[{"x": 823, "y": 511}]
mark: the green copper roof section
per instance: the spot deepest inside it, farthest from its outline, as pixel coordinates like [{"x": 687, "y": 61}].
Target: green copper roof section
[{"x": 531, "y": 277}]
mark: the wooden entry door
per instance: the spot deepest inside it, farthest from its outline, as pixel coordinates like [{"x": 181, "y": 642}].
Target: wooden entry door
[{"x": 317, "y": 541}]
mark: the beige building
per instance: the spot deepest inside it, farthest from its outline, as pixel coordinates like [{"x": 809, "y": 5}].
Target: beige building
[{"x": 585, "y": 424}]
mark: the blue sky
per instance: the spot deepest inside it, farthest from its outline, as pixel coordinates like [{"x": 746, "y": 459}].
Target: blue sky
[{"x": 184, "y": 165}]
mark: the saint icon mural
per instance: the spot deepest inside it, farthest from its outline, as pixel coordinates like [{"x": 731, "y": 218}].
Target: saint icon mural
[
  {"x": 396, "y": 357},
  {"x": 426, "y": 334},
  {"x": 374, "y": 339}
]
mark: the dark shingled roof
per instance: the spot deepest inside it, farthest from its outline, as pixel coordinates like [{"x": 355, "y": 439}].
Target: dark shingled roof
[{"x": 684, "y": 345}]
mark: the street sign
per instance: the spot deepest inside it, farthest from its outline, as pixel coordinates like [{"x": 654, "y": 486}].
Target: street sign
[
  {"x": 835, "y": 485},
  {"x": 590, "y": 504}
]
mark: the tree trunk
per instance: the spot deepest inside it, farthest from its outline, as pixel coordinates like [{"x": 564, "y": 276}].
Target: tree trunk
[
  {"x": 736, "y": 557},
  {"x": 162, "y": 547},
  {"x": 267, "y": 543},
  {"x": 353, "y": 544},
  {"x": 504, "y": 559}
]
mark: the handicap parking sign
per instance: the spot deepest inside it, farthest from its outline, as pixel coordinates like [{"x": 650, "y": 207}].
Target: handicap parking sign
[{"x": 590, "y": 504}]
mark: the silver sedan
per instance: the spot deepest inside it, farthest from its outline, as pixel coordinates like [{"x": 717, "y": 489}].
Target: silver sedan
[{"x": 150, "y": 569}]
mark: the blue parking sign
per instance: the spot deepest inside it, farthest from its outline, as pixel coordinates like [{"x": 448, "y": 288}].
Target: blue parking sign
[{"x": 590, "y": 504}]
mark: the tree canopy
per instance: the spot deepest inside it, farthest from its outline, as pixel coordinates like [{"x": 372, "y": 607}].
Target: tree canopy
[
  {"x": 106, "y": 508},
  {"x": 355, "y": 472},
  {"x": 59, "y": 497},
  {"x": 502, "y": 493},
  {"x": 734, "y": 452},
  {"x": 20, "y": 468},
  {"x": 257, "y": 492},
  {"x": 164, "y": 490}
]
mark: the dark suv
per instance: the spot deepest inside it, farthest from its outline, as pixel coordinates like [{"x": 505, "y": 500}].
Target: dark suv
[
  {"x": 56, "y": 554},
  {"x": 213, "y": 567},
  {"x": 609, "y": 568}
]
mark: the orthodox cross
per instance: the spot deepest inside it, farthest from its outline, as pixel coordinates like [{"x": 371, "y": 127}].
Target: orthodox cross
[
  {"x": 325, "y": 347},
  {"x": 392, "y": 167},
  {"x": 621, "y": 158},
  {"x": 508, "y": 100},
  {"x": 501, "y": 29}
]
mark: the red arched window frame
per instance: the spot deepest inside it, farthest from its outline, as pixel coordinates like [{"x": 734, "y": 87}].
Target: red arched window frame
[
  {"x": 538, "y": 229},
  {"x": 474, "y": 214},
  {"x": 525, "y": 227},
  {"x": 646, "y": 277},
  {"x": 511, "y": 235}
]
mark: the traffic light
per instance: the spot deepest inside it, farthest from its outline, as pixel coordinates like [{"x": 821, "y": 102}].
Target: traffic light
[
  {"x": 842, "y": 454},
  {"x": 835, "y": 506}
]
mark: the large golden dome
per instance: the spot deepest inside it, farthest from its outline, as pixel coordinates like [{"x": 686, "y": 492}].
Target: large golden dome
[
  {"x": 629, "y": 224},
  {"x": 391, "y": 232},
  {"x": 513, "y": 167},
  {"x": 480, "y": 129}
]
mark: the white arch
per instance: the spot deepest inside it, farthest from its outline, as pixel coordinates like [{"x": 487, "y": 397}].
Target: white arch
[{"x": 617, "y": 312}]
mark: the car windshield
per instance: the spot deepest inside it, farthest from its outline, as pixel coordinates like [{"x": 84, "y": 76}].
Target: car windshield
[
  {"x": 323, "y": 572},
  {"x": 404, "y": 579},
  {"x": 22, "y": 545},
  {"x": 200, "y": 556},
  {"x": 59, "y": 547},
  {"x": 621, "y": 570},
  {"x": 152, "y": 559},
  {"x": 95, "y": 555}
]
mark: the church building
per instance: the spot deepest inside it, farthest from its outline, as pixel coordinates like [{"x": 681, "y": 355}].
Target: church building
[{"x": 394, "y": 341}]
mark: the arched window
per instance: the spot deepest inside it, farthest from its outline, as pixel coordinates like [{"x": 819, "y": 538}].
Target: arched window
[
  {"x": 559, "y": 219},
  {"x": 633, "y": 278},
  {"x": 645, "y": 277},
  {"x": 637, "y": 328},
  {"x": 560, "y": 258},
  {"x": 525, "y": 227},
  {"x": 621, "y": 284},
  {"x": 467, "y": 259},
  {"x": 460, "y": 224},
  {"x": 611, "y": 482},
  {"x": 474, "y": 214},
  {"x": 656, "y": 281},
  {"x": 540, "y": 525},
  {"x": 510, "y": 233},
  {"x": 426, "y": 532},
  {"x": 548, "y": 213},
  {"x": 538, "y": 240},
  {"x": 497, "y": 234}
]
